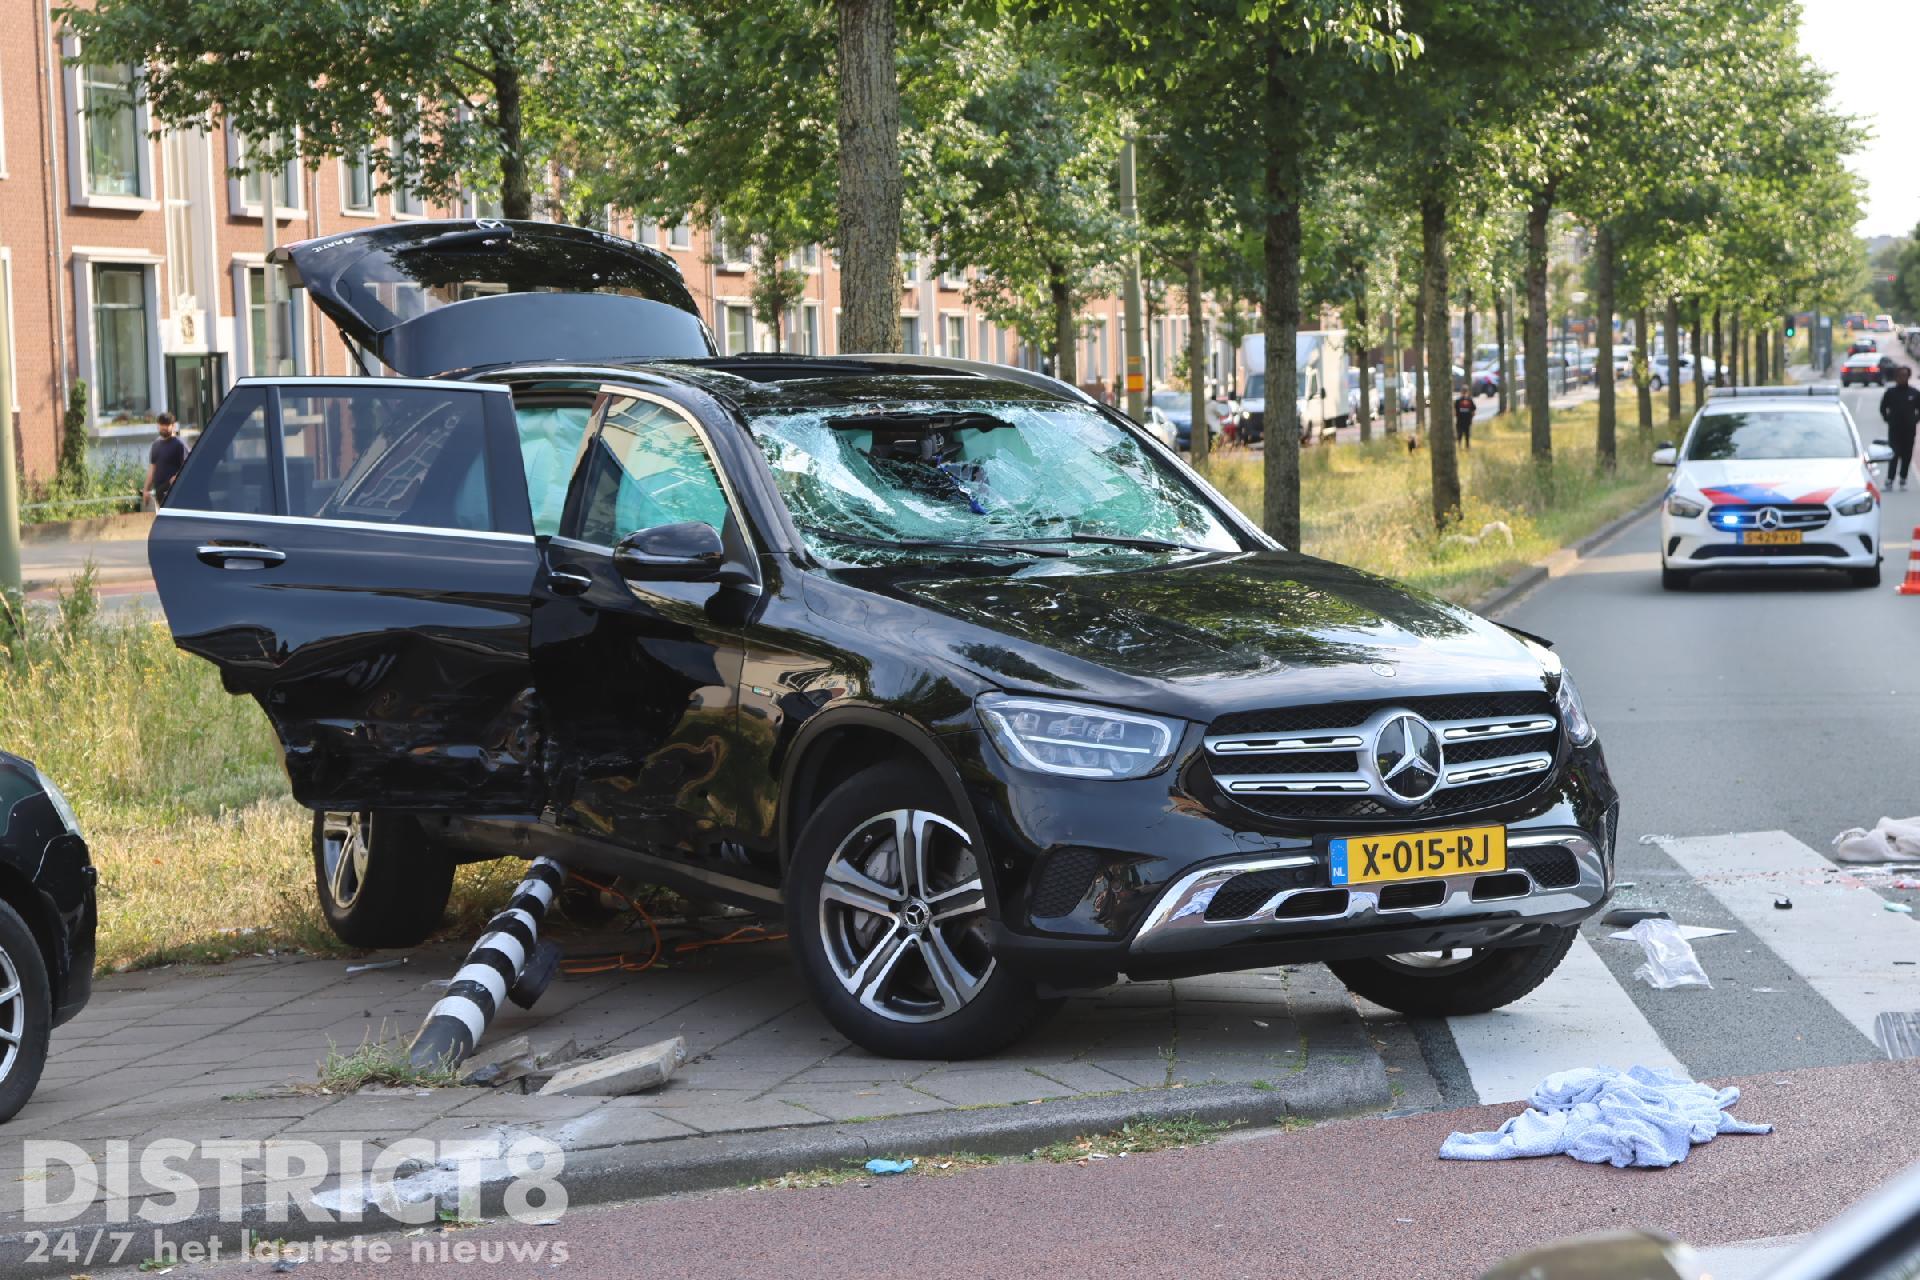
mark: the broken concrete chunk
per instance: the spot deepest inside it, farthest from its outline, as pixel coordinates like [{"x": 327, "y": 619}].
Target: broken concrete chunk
[
  {"x": 548, "y": 1063},
  {"x": 633, "y": 1072},
  {"x": 498, "y": 1064}
]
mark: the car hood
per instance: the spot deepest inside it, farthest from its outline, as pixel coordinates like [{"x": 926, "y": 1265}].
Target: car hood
[
  {"x": 1760, "y": 481},
  {"x": 1203, "y": 635}
]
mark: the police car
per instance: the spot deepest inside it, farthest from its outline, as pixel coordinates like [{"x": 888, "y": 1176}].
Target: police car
[{"x": 1771, "y": 477}]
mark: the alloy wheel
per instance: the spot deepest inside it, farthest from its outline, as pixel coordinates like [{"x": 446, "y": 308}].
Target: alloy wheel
[
  {"x": 13, "y": 1015},
  {"x": 1432, "y": 961},
  {"x": 343, "y": 855},
  {"x": 903, "y": 917}
]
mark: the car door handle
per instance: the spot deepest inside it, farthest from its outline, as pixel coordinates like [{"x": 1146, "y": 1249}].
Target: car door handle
[
  {"x": 239, "y": 556},
  {"x": 565, "y": 582}
]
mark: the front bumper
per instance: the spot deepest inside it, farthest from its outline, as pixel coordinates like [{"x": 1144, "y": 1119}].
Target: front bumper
[
  {"x": 1843, "y": 542},
  {"x": 1145, "y": 862}
]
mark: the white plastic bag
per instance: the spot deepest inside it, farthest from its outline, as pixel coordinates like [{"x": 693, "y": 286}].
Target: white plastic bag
[
  {"x": 1670, "y": 959},
  {"x": 1892, "y": 840}
]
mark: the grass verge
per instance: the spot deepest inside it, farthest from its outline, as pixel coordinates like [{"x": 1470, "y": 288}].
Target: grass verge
[
  {"x": 202, "y": 853},
  {"x": 1372, "y": 506}
]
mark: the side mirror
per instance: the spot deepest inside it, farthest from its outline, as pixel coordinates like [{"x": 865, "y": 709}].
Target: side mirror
[
  {"x": 1666, "y": 455},
  {"x": 1879, "y": 451},
  {"x": 686, "y": 552}
]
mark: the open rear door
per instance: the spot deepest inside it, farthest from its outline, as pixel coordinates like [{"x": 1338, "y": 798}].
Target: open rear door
[
  {"x": 358, "y": 556},
  {"x": 429, "y": 298}
]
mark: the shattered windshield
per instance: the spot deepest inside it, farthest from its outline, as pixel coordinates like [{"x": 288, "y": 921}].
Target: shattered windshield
[{"x": 865, "y": 485}]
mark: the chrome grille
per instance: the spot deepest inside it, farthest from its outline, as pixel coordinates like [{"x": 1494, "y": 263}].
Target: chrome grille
[
  {"x": 1792, "y": 515},
  {"x": 1312, "y": 762}
]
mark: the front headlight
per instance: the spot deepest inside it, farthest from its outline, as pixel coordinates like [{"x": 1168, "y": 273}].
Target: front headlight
[
  {"x": 1858, "y": 505},
  {"x": 1685, "y": 508},
  {"x": 1566, "y": 699},
  {"x": 1077, "y": 740},
  {"x": 60, "y": 805}
]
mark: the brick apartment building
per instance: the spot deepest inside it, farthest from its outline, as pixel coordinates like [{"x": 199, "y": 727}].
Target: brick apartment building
[{"x": 136, "y": 263}]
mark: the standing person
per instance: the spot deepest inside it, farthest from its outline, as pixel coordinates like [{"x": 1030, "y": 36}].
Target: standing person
[
  {"x": 164, "y": 460},
  {"x": 1463, "y": 418},
  {"x": 1900, "y": 410}
]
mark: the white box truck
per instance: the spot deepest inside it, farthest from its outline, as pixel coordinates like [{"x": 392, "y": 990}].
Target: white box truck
[{"x": 1320, "y": 390}]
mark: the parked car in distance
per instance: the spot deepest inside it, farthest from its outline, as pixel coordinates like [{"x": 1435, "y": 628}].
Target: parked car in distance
[
  {"x": 1657, "y": 367},
  {"x": 1866, "y": 368},
  {"x": 942, "y": 662},
  {"x": 1486, "y": 379},
  {"x": 1156, "y": 424},
  {"x": 1860, "y": 345},
  {"x": 1771, "y": 477},
  {"x": 47, "y": 924},
  {"x": 1177, "y": 408}
]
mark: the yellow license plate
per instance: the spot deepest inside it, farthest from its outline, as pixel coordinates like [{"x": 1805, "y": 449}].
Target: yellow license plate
[
  {"x": 1417, "y": 855},
  {"x": 1771, "y": 538}
]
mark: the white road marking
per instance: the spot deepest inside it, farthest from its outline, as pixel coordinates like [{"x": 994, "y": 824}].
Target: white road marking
[
  {"x": 1579, "y": 1017},
  {"x": 1838, "y": 937}
]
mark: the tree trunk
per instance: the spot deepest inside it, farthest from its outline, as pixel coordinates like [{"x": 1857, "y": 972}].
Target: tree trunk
[
  {"x": 1466, "y": 345},
  {"x": 1719, "y": 351},
  {"x": 1066, "y": 338},
  {"x": 516, "y": 188},
  {"x": 1699, "y": 364},
  {"x": 870, "y": 189},
  {"x": 1737, "y": 366},
  {"x": 1505, "y": 403},
  {"x": 1440, "y": 442},
  {"x": 1606, "y": 433},
  {"x": 1197, "y": 358},
  {"x": 1394, "y": 362},
  {"x": 1539, "y": 398},
  {"x": 1280, "y": 509},
  {"x": 1643, "y": 371},
  {"x": 1761, "y": 363},
  {"x": 1420, "y": 354},
  {"x": 1672, "y": 374},
  {"x": 1366, "y": 363}
]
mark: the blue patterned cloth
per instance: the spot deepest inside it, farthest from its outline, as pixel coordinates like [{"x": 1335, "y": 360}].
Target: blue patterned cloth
[{"x": 1643, "y": 1117}]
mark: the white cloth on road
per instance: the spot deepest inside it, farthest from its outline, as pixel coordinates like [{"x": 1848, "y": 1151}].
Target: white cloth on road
[
  {"x": 1892, "y": 840},
  {"x": 1643, "y": 1117}
]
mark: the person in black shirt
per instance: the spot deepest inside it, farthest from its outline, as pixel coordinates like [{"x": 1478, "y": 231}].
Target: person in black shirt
[
  {"x": 1463, "y": 419},
  {"x": 164, "y": 460},
  {"x": 1900, "y": 410}
]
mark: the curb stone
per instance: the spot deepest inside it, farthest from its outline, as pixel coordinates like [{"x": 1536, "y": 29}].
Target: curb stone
[
  {"x": 1336, "y": 1087},
  {"x": 1532, "y": 576}
]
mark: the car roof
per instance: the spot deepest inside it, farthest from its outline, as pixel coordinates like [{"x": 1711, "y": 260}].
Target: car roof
[{"x": 763, "y": 383}]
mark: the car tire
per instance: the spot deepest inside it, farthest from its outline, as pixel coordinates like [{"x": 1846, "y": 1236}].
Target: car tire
[
  {"x": 1655, "y": 384},
  {"x": 869, "y": 941},
  {"x": 1446, "y": 987},
  {"x": 1865, "y": 577},
  {"x": 26, "y": 1015},
  {"x": 1673, "y": 579},
  {"x": 380, "y": 880}
]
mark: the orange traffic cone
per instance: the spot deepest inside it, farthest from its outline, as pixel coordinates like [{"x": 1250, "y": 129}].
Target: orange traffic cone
[{"x": 1911, "y": 587}]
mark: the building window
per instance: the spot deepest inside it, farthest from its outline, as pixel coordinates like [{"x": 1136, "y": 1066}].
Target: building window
[
  {"x": 910, "y": 335},
  {"x": 810, "y": 258},
  {"x": 739, "y": 330},
  {"x": 476, "y": 205},
  {"x": 954, "y": 278},
  {"x": 357, "y": 182},
  {"x": 679, "y": 235},
  {"x": 983, "y": 346},
  {"x": 730, "y": 253},
  {"x": 910, "y": 268},
  {"x": 286, "y": 349},
  {"x": 955, "y": 337},
  {"x": 122, "y": 327},
  {"x": 286, "y": 177},
  {"x": 406, "y": 201},
  {"x": 113, "y": 134},
  {"x": 806, "y": 329}
]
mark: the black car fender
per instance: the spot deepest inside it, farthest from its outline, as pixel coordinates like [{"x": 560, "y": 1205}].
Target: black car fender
[{"x": 811, "y": 758}]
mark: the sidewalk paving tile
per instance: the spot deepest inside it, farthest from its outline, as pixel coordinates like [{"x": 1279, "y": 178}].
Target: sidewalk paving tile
[
  {"x": 501, "y": 1105},
  {"x": 736, "y": 1117},
  {"x": 976, "y": 1088},
  {"x": 1083, "y": 1077},
  {"x": 863, "y": 1104}
]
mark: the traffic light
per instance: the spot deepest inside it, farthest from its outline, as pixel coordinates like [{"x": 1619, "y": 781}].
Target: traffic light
[{"x": 1792, "y": 328}]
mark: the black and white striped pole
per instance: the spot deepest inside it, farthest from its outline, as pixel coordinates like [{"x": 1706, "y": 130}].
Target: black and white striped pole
[{"x": 509, "y": 961}]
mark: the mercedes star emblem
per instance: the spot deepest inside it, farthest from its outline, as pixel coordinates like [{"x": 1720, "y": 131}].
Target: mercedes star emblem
[
  {"x": 1768, "y": 518},
  {"x": 1406, "y": 753}
]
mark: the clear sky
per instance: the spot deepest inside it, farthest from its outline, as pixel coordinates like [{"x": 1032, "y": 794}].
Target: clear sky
[{"x": 1869, "y": 50}]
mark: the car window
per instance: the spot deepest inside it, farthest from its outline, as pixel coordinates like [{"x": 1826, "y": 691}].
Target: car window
[
  {"x": 228, "y": 471},
  {"x": 647, "y": 467},
  {"x": 975, "y": 472},
  {"x": 1772, "y": 433},
  {"x": 410, "y": 455},
  {"x": 550, "y": 438}
]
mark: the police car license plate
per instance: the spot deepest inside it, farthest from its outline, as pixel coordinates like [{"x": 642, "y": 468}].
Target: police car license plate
[{"x": 1770, "y": 537}]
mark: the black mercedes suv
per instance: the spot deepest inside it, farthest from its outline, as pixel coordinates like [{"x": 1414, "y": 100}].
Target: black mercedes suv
[{"x": 958, "y": 670}]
